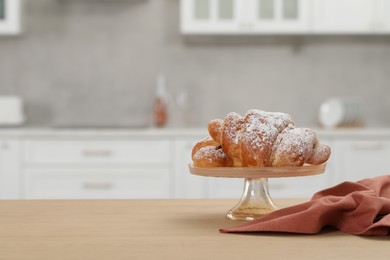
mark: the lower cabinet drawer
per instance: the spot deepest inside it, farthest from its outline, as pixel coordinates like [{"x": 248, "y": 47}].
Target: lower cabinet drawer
[
  {"x": 101, "y": 152},
  {"x": 298, "y": 187},
  {"x": 96, "y": 184},
  {"x": 225, "y": 187}
]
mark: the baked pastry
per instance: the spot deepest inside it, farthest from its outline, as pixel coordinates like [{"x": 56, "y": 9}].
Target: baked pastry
[
  {"x": 257, "y": 139},
  {"x": 208, "y": 153}
]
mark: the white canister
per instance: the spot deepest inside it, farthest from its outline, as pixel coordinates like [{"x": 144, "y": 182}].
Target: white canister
[{"x": 11, "y": 111}]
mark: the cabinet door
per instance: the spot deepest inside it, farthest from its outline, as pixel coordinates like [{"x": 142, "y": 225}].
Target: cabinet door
[
  {"x": 100, "y": 152},
  {"x": 226, "y": 187},
  {"x": 344, "y": 16},
  {"x": 362, "y": 159},
  {"x": 96, "y": 183},
  {"x": 9, "y": 169},
  {"x": 188, "y": 185},
  {"x": 9, "y": 16},
  {"x": 384, "y": 14},
  {"x": 299, "y": 187},
  {"x": 279, "y": 16},
  {"x": 209, "y": 16},
  {"x": 245, "y": 17}
]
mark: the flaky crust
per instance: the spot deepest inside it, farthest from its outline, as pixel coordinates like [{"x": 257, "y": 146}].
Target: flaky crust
[
  {"x": 231, "y": 129},
  {"x": 215, "y": 130},
  {"x": 293, "y": 147},
  {"x": 321, "y": 153},
  {"x": 207, "y": 141},
  {"x": 211, "y": 156},
  {"x": 262, "y": 139},
  {"x": 259, "y": 135}
]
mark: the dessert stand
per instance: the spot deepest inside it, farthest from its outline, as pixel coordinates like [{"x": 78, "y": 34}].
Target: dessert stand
[{"x": 255, "y": 200}]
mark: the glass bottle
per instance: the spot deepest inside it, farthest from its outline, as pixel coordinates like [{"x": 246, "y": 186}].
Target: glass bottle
[{"x": 160, "y": 104}]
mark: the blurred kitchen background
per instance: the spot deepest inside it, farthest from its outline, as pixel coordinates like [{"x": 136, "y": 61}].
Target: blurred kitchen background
[
  {"x": 81, "y": 83},
  {"x": 95, "y": 63}
]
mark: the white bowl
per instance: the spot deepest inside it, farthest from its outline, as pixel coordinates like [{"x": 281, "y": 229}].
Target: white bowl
[{"x": 332, "y": 113}]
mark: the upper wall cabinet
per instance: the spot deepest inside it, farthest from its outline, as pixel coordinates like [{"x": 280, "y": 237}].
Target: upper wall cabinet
[
  {"x": 278, "y": 16},
  {"x": 285, "y": 16},
  {"x": 249, "y": 16},
  {"x": 351, "y": 16},
  {"x": 10, "y": 16},
  {"x": 385, "y": 14},
  {"x": 210, "y": 16},
  {"x": 343, "y": 16}
]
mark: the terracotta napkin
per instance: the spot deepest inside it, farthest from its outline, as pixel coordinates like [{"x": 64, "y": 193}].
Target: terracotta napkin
[{"x": 360, "y": 208}]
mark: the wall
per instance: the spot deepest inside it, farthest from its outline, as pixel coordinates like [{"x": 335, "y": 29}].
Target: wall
[{"x": 95, "y": 63}]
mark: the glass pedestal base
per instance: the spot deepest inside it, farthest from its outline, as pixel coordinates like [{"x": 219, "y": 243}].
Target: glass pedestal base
[{"x": 255, "y": 201}]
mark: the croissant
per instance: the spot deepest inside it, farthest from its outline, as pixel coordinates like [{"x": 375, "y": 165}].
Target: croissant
[{"x": 259, "y": 138}]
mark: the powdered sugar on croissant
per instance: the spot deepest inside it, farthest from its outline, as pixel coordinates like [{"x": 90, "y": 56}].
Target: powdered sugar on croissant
[
  {"x": 259, "y": 135},
  {"x": 262, "y": 139}
]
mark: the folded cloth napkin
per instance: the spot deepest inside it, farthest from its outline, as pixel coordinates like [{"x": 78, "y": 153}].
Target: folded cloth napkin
[{"x": 360, "y": 208}]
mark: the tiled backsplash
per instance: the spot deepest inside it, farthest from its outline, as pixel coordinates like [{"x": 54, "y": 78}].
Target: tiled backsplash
[{"x": 96, "y": 62}]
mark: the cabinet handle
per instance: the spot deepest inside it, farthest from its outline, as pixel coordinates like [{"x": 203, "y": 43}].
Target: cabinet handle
[
  {"x": 367, "y": 146},
  {"x": 97, "y": 153},
  {"x": 97, "y": 185},
  {"x": 246, "y": 26}
]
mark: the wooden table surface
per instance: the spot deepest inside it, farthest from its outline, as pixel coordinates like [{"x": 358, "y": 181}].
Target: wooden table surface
[{"x": 159, "y": 229}]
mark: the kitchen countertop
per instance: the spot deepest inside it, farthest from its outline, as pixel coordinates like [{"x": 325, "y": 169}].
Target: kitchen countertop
[
  {"x": 159, "y": 229},
  {"x": 101, "y": 132},
  {"x": 22, "y": 132}
]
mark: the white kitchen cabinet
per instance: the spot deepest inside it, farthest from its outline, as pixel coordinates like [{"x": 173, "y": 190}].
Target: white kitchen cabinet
[
  {"x": 285, "y": 16},
  {"x": 97, "y": 168},
  {"x": 226, "y": 187},
  {"x": 384, "y": 16},
  {"x": 99, "y": 151},
  {"x": 351, "y": 16},
  {"x": 297, "y": 187},
  {"x": 244, "y": 17},
  {"x": 76, "y": 165},
  {"x": 361, "y": 158},
  {"x": 96, "y": 183},
  {"x": 344, "y": 16},
  {"x": 279, "y": 16},
  {"x": 209, "y": 16},
  {"x": 9, "y": 169},
  {"x": 10, "y": 12}
]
